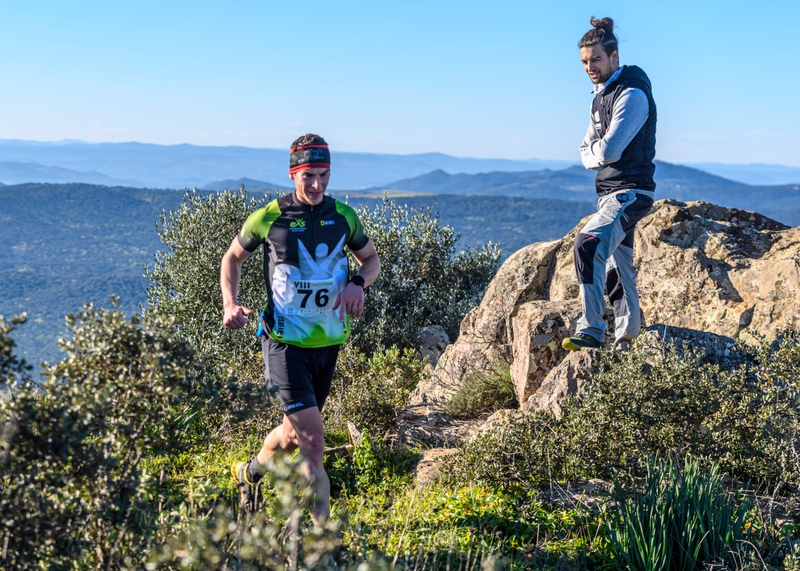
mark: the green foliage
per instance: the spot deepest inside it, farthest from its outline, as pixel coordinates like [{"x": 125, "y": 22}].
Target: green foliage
[
  {"x": 184, "y": 282},
  {"x": 483, "y": 394},
  {"x": 75, "y": 486},
  {"x": 466, "y": 527},
  {"x": 646, "y": 403},
  {"x": 367, "y": 466},
  {"x": 276, "y": 537},
  {"x": 677, "y": 517},
  {"x": 370, "y": 391},
  {"x": 423, "y": 280},
  {"x": 12, "y": 369}
]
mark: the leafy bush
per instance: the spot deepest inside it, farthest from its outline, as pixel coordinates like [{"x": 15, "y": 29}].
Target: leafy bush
[
  {"x": 652, "y": 404},
  {"x": 484, "y": 393},
  {"x": 370, "y": 391},
  {"x": 75, "y": 487},
  {"x": 277, "y": 536},
  {"x": 679, "y": 518},
  {"x": 12, "y": 369},
  {"x": 423, "y": 280},
  {"x": 184, "y": 281}
]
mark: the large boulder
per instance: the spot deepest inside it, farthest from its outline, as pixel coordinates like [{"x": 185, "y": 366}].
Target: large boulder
[
  {"x": 485, "y": 336},
  {"x": 568, "y": 380},
  {"x": 432, "y": 341},
  {"x": 700, "y": 267},
  {"x": 538, "y": 328}
]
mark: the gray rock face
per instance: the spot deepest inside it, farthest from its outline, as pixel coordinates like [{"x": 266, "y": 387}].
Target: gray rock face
[
  {"x": 568, "y": 380},
  {"x": 700, "y": 267},
  {"x": 485, "y": 333},
  {"x": 432, "y": 340},
  {"x": 538, "y": 328}
]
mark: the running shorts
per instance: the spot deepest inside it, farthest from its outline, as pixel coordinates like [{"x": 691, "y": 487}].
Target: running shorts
[{"x": 302, "y": 375}]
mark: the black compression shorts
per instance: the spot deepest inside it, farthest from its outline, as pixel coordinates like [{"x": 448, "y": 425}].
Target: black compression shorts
[{"x": 302, "y": 375}]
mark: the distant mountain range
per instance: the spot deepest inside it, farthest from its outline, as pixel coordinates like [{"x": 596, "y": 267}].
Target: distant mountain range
[
  {"x": 576, "y": 183},
  {"x": 15, "y": 173},
  {"x": 181, "y": 166},
  {"x": 755, "y": 174}
]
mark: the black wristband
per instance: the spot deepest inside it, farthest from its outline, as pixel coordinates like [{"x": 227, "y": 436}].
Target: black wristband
[{"x": 358, "y": 280}]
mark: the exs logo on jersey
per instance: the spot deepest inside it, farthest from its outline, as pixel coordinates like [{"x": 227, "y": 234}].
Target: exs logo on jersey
[{"x": 298, "y": 225}]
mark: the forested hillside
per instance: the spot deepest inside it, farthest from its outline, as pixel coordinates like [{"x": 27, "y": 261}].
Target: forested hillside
[{"x": 64, "y": 245}]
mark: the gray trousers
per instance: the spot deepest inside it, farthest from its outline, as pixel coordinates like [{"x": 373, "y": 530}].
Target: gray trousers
[{"x": 604, "y": 264}]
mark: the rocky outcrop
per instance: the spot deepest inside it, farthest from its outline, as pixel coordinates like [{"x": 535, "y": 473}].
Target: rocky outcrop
[
  {"x": 700, "y": 267},
  {"x": 485, "y": 336},
  {"x": 568, "y": 380}
]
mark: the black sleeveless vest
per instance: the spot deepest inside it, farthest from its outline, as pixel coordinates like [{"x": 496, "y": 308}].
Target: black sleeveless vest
[{"x": 635, "y": 168}]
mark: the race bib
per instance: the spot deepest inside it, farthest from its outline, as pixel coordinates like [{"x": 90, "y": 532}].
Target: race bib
[{"x": 309, "y": 297}]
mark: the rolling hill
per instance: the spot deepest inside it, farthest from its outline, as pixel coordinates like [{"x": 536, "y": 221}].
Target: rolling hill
[{"x": 17, "y": 173}]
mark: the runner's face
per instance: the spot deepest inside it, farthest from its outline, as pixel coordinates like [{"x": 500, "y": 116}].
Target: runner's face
[
  {"x": 598, "y": 64},
  {"x": 310, "y": 185}
]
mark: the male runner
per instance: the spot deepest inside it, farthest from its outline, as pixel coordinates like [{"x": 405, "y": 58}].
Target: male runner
[
  {"x": 620, "y": 145},
  {"x": 310, "y": 298}
]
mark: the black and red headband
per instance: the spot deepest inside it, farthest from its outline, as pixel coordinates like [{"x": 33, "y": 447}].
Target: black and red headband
[{"x": 309, "y": 157}]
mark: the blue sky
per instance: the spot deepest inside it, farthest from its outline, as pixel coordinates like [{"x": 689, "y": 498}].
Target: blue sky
[{"x": 481, "y": 79}]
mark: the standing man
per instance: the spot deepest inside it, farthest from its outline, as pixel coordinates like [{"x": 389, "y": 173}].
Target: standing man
[
  {"x": 620, "y": 145},
  {"x": 310, "y": 299}
]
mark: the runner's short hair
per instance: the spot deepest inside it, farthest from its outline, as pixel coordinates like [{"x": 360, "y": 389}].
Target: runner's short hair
[
  {"x": 602, "y": 32},
  {"x": 308, "y": 139}
]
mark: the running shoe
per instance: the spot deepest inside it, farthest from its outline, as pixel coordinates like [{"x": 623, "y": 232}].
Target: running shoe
[
  {"x": 239, "y": 473},
  {"x": 580, "y": 341}
]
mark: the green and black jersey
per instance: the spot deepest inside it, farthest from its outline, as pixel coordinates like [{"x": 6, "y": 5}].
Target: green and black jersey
[{"x": 305, "y": 266}]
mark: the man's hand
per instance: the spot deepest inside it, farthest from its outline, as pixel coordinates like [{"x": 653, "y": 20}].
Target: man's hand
[
  {"x": 350, "y": 301},
  {"x": 235, "y": 316}
]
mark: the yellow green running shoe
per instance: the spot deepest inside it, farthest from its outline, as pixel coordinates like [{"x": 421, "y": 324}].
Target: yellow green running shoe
[
  {"x": 580, "y": 341},
  {"x": 239, "y": 473}
]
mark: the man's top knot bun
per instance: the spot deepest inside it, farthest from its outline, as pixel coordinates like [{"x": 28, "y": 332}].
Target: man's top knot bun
[
  {"x": 602, "y": 33},
  {"x": 604, "y": 24}
]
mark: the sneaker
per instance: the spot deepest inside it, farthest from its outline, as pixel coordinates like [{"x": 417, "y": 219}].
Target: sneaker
[
  {"x": 580, "y": 341},
  {"x": 239, "y": 473}
]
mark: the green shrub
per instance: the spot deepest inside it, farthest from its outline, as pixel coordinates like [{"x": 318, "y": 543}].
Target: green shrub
[
  {"x": 423, "y": 280},
  {"x": 73, "y": 456},
  {"x": 12, "y": 369},
  {"x": 648, "y": 403},
  {"x": 184, "y": 281},
  {"x": 678, "y": 518},
  {"x": 278, "y": 536},
  {"x": 370, "y": 391},
  {"x": 483, "y": 394}
]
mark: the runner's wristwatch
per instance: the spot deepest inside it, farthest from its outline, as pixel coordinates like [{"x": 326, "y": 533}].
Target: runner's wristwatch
[{"x": 358, "y": 280}]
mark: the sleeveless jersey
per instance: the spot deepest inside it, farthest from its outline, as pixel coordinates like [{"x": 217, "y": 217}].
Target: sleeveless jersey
[{"x": 305, "y": 266}]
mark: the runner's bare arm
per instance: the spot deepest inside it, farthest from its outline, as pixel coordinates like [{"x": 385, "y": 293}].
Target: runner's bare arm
[
  {"x": 230, "y": 271},
  {"x": 351, "y": 300}
]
